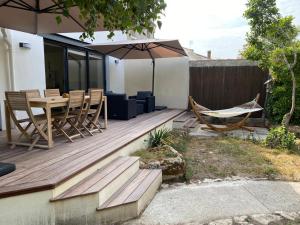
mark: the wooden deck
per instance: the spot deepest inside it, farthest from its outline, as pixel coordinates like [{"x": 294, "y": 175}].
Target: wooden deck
[{"x": 39, "y": 169}]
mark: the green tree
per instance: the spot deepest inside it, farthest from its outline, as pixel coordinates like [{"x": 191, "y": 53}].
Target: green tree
[
  {"x": 270, "y": 37},
  {"x": 125, "y": 15}
]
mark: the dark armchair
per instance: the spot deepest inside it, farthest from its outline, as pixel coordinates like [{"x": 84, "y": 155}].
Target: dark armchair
[
  {"x": 118, "y": 107},
  {"x": 146, "y": 99}
]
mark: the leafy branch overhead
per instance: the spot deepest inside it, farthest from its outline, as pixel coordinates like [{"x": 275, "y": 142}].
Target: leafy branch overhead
[{"x": 125, "y": 15}]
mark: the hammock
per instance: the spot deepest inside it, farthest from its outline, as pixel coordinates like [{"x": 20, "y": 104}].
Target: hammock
[{"x": 246, "y": 108}]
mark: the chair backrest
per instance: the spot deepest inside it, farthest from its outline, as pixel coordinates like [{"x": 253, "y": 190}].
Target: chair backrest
[
  {"x": 96, "y": 96},
  {"x": 51, "y": 93},
  {"x": 141, "y": 95},
  {"x": 33, "y": 93},
  {"x": 76, "y": 99},
  {"x": 17, "y": 100}
]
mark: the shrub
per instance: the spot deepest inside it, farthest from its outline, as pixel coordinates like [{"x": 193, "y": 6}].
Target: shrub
[
  {"x": 159, "y": 137},
  {"x": 279, "y": 100},
  {"x": 279, "y": 138}
]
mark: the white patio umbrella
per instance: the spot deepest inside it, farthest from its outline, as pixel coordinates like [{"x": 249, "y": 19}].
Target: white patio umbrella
[
  {"x": 142, "y": 49},
  {"x": 39, "y": 16}
]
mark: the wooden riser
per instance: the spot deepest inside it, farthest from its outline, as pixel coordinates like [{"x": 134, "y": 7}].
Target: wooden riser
[
  {"x": 78, "y": 204},
  {"x": 124, "y": 212}
]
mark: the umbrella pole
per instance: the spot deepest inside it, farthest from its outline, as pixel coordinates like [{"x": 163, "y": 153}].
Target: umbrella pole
[{"x": 153, "y": 71}]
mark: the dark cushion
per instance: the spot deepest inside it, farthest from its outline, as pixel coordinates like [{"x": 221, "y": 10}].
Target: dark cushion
[
  {"x": 143, "y": 95},
  {"x": 6, "y": 168},
  {"x": 139, "y": 109},
  {"x": 119, "y": 107},
  {"x": 116, "y": 97}
]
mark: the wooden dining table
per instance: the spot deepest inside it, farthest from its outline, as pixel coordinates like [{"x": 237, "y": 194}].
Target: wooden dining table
[{"x": 48, "y": 103}]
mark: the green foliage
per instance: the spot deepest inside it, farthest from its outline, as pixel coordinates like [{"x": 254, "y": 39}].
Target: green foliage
[
  {"x": 269, "y": 31},
  {"x": 188, "y": 175},
  {"x": 179, "y": 140},
  {"x": 159, "y": 137},
  {"x": 125, "y": 15},
  {"x": 272, "y": 39},
  {"x": 279, "y": 100},
  {"x": 280, "y": 138}
]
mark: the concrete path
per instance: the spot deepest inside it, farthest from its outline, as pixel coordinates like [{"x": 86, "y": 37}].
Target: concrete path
[{"x": 206, "y": 202}]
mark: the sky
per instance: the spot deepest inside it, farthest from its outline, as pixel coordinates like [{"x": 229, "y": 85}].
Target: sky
[{"x": 216, "y": 25}]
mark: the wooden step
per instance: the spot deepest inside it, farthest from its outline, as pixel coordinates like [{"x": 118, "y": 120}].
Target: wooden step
[
  {"x": 132, "y": 198},
  {"x": 111, "y": 177}
]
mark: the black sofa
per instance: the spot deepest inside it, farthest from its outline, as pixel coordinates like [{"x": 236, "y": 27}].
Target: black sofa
[
  {"x": 146, "y": 99},
  {"x": 119, "y": 107}
]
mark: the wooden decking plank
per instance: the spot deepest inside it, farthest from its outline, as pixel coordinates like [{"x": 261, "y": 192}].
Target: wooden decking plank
[
  {"x": 63, "y": 156},
  {"x": 111, "y": 176},
  {"x": 182, "y": 118},
  {"x": 91, "y": 184},
  {"x": 88, "y": 156},
  {"x": 90, "y": 180},
  {"x": 129, "y": 188},
  {"x": 48, "y": 167},
  {"x": 143, "y": 187},
  {"x": 56, "y": 159}
]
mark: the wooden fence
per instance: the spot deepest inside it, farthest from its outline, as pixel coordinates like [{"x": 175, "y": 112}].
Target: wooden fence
[{"x": 219, "y": 87}]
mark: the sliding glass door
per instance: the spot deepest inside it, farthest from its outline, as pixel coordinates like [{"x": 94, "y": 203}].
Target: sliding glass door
[
  {"x": 54, "y": 67},
  {"x": 69, "y": 68},
  {"x": 96, "y": 75},
  {"x": 77, "y": 70}
]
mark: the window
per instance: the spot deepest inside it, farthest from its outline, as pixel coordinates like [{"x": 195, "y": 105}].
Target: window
[{"x": 72, "y": 68}]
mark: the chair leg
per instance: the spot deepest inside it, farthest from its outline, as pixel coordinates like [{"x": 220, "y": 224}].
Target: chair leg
[
  {"x": 44, "y": 127},
  {"x": 87, "y": 130},
  {"x": 66, "y": 135},
  {"x": 75, "y": 128},
  {"x": 60, "y": 130},
  {"x": 22, "y": 134}
]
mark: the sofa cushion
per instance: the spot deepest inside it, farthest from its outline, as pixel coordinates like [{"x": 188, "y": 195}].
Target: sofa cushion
[{"x": 143, "y": 95}]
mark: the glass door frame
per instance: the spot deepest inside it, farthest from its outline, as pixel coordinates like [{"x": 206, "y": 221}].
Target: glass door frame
[{"x": 66, "y": 48}]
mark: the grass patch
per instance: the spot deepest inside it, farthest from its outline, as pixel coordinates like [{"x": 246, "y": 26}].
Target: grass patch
[
  {"x": 148, "y": 155},
  {"x": 222, "y": 157}
]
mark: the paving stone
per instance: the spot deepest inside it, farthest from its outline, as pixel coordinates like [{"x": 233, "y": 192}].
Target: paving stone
[
  {"x": 164, "y": 186},
  {"x": 265, "y": 219},
  {"x": 240, "y": 219},
  {"x": 288, "y": 215},
  {"x": 221, "y": 222}
]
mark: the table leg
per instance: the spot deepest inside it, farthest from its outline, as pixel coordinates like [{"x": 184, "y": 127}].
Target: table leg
[
  {"x": 8, "y": 123},
  {"x": 49, "y": 126},
  {"x": 105, "y": 113}
]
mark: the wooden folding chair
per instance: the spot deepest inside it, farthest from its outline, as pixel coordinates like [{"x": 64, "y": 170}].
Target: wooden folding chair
[
  {"x": 19, "y": 101},
  {"x": 90, "y": 118},
  {"x": 32, "y": 93},
  {"x": 51, "y": 93},
  {"x": 71, "y": 116}
]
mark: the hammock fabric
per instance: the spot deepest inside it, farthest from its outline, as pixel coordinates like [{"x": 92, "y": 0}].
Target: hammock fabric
[{"x": 247, "y": 108}]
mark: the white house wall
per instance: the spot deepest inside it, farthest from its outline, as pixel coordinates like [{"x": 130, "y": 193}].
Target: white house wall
[
  {"x": 28, "y": 64},
  {"x": 115, "y": 75},
  {"x": 171, "y": 80},
  {"x": 4, "y": 73},
  {"x": 138, "y": 75}
]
